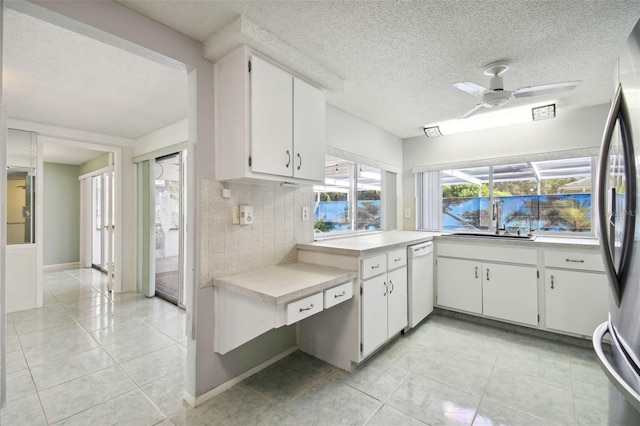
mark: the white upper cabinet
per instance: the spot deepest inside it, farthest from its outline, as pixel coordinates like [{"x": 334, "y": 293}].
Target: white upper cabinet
[
  {"x": 271, "y": 119},
  {"x": 308, "y": 131},
  {"x": 269, "y": 124}
]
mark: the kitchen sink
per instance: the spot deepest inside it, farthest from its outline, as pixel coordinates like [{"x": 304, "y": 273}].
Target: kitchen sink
[{"x": 493, "y": 236}]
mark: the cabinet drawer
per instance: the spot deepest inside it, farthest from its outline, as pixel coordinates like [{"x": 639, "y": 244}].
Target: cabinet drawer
[
  {"x": 396, "y": 259},
  {"x": 338, "y": 294},
  {"x": 573, "y": 259},
  {"x": 303, "y": 308},
  {"x": 373, "y": 266}
]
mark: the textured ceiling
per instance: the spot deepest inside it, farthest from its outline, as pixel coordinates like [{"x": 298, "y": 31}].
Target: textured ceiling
[
  {"x": 55, "y": 76},
  {"x": 400, "y": 59}
]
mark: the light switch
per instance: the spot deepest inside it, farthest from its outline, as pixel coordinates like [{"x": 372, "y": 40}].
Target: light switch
[
  {"x": 305, "y": 214},
  {"x": 407, "y": 213}
]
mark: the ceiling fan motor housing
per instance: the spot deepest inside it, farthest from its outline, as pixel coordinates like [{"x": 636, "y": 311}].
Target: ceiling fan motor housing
[{"x": 496, "y": 98}]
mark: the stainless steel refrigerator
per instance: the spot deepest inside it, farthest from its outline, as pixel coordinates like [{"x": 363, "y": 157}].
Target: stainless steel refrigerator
[{"x": 617, "y": 204}]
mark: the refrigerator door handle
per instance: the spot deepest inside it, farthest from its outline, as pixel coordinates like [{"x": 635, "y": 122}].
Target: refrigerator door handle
[
  {"x": 617, "y": 113},
  {"x": 629, "y": 393}
]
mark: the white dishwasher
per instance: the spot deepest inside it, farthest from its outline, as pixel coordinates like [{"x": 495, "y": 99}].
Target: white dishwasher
[{"x": 420, "y": 280}]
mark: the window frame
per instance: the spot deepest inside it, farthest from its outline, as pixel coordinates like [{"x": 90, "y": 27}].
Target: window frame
[
  {"x": 353, "y": 200},
  {"x": 424, "y": 205}
]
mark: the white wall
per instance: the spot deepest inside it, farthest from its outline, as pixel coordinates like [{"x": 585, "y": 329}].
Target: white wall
[
  {"x": 349, "y": 133},
  {"x": 570, "y": 130},
  {"x": 170, "y": 135}
]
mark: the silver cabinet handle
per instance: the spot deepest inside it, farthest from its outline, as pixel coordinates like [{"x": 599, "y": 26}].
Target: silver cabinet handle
[
  {"x": 288, "y": 159},
  {"x": 335, "y": 296},
  {"x": 552, "y": 287},
  {"x": 391, "y": 282},
  {"x": 487, "y": 274},
  {"x": 299, "y": 160},
  {"x": 306, "y": 309},
  {"x": 375, "y": 266},
  {"x": 385, "y": 288},
  {"x": 476, "y": 272},
  {"x": 574, "y": 260}
]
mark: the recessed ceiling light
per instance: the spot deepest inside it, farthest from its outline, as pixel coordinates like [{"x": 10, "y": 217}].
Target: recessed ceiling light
[
  {"x": 543, "y": 112},
  {"x": 432, "y": 132}
]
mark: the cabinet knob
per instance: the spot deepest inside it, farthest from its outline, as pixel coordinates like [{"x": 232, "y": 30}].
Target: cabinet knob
[
  {"x": 335, "y": 296},
  {"x": 476, "y": 272},
  {"x": 552, "y": 286},
  {"x": 487, "y": 274},
  {"x": 299, "y": 160},
  {"x": 391, "y": 282},
  {"x": 385, "y": 288},
  {"x": 288, "y": 159},
  {"x": 376, "y": 266},
  {"x": 397, "y": 259},
  {"x": 574, "y": 260}
]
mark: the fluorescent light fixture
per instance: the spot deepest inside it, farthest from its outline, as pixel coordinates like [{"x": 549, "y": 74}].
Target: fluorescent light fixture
[
  {"x": 487, "y": 120},
  {"x": 432, "y": 132},
  {"x": 543, "y": 112}
]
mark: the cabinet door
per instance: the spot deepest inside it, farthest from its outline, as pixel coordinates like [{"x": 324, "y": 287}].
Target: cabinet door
[
  {"x": 397, "y": 306},
  {"x": 308, "y": 131},
  {"x": 271, "y": 119},
  {"x": 374, "y": 313},
  {"x": 576, "y": 302},
  {"x": 510, "y": 292},
  {"x": 459, "y": 284}
]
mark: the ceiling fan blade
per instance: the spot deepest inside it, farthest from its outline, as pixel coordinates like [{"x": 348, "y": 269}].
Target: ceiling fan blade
[
  {"x": 472, "y": 111},
  {"x": 470, "y": 88},
  {"x": 545, "y": 89}
]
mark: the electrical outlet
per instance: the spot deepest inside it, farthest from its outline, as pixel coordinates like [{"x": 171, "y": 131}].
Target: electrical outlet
[
  {"x": 236, "y": 215},
  {"x": 407, "y": 213},
  {"x": 305, "y": 214}
]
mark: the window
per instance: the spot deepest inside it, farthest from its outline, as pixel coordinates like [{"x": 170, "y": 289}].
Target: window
[
  {"x": 350, "y": 200},
  {"x": 546, "y": 196}
]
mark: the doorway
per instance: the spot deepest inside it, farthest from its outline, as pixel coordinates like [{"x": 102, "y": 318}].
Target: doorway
[{"x": 169, "y": 225}]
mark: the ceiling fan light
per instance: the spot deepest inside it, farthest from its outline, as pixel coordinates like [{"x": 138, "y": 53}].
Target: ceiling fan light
[
  {"x": 543, "y": 112},
  {"x": 432, "y": 132}
]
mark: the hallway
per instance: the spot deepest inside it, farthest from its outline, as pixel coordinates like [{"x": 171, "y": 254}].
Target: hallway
[{"x": 87, "y": 355}]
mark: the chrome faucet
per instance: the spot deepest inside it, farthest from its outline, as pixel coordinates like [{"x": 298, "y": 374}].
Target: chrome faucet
[{"x": 496, "y": 215}]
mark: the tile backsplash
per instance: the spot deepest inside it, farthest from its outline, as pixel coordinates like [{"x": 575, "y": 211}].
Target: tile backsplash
[{"x": 277, "y": 227}]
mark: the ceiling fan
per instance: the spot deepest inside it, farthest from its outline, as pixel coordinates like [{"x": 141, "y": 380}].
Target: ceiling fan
[{"x": 496, "y": 96}]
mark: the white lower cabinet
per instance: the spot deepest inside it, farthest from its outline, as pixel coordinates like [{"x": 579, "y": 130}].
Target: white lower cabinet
[
  {"x": 500, "y": 291},
  {"x": 384, "y": 308},
  {"x": 510, "y": 292},
  {"x": 459, "y": 284},
  {"x": 374, "y": 312},
  {"x": 575, "y": 301}
]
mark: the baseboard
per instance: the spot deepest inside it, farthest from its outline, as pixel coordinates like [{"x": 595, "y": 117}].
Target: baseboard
[
  {"x": 195, "y": 401},
  {"x": 61, "y": 265}
]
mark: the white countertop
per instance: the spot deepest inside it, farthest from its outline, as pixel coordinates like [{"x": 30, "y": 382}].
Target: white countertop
[
  {"x": 365, "y": 244},
  {"x": 284, "y": 283}
]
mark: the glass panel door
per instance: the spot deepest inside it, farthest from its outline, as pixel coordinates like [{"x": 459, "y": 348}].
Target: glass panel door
[
  {"x": 169, "y": 226},
  {"x": 102, "y": 224}
]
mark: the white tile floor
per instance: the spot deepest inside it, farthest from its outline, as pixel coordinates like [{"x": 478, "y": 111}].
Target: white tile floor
[
  {"x": 90, "y": 358},
  {"x": 87, "y": 359}
]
